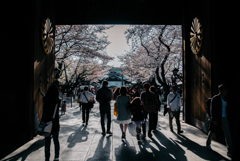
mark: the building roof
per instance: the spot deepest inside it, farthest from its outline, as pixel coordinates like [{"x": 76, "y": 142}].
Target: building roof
[{"x": 114, "y": 74}]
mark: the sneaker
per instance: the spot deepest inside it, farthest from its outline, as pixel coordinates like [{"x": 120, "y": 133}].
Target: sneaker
[
  {"x": 109, "y": 132},
  {"x": 209, "y": 147},
  {"x": 103, "y": 133},
  {"x": 171, "y": 130},
  {"x": 180, "y": 131},
  {"x": 56, "y": 159}
]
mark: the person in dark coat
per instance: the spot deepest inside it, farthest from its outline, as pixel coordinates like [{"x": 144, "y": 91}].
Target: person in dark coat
[
  {"x": 220, "y": 115},
  {"x": 155, "y": 121},
  {"x": 150, "y": 104},
  {"x": 50, "y": 100},
  {"x": 137, "y": 112},
  {"x": 104, "y": 97}
]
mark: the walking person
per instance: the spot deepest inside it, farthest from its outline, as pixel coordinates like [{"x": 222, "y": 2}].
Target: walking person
[
  {"x": 104, "y": 97},
  {"x": 174, "y": 105},
  {"x": 153, "y": 89},
  {"x": 49, "y": 102},
  {"x": 129, "y": 91},
  {"x": 116, "y": 93},
  {"x": 137, "y": 112},
  {"x": 150, "y": 104},
  {"x": 220, "y": 115},
  {"x": 63, "y": 109},
  {"x": 136, "y": 93},
  {"x": 85, "y": 97},
  {"x": 79, "y": 95},
  {"x": 124, "y": 115}
]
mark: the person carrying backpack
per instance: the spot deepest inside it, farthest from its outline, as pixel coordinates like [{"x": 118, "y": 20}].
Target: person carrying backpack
[{"x": 150, "y": 104}]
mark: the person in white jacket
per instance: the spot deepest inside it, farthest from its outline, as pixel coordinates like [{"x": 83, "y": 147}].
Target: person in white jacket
[
  {"x": 84, "y": 98},
  {"x": 174, "y": 105}
]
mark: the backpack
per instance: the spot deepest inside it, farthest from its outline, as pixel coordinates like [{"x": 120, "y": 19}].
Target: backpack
[
  {"x": 208, "y": 106},
  {"x": 150, "y": 103}
]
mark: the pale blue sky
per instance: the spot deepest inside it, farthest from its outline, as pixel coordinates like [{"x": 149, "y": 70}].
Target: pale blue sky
[{"x": 118, "y": 43}]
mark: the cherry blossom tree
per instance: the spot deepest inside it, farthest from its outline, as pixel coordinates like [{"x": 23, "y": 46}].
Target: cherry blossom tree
[
  {"x": 153, "y": 48},
  {"x": 82, "y": 48}
]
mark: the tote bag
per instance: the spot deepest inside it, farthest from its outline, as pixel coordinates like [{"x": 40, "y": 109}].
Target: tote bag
[
  {"x": 45, "y": 128},
  {"x": 115, "y": 109}
]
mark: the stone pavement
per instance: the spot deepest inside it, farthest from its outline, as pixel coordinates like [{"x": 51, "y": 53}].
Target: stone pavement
[{"x": 86, "y": 143}]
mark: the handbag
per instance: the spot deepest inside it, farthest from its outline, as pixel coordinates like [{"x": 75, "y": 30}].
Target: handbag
[
  {"x": 165, "y": 106},
  {"x": 115, "y": 109},
  {"x": 89, "y": 104},
  {"x": 45, "y": 128}
]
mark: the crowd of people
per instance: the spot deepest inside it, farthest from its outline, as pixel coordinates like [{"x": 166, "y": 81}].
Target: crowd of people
[{"x": 134, "y": 107}]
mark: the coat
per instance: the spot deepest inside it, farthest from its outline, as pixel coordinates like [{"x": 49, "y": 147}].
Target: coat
[
  {"x": 104, "y": 96},
  {"x": 149, "y": 101},
  {"x": 137, "y": 112},
  {"x": 122, "y": 103},
  {"x": 216, "y": 112},
  {"x": 48, "y": 110}
]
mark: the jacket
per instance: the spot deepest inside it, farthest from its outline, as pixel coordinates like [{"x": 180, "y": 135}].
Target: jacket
[
  {"x": 216, "y": 112},
  {"x": 104, "y": 96},
  {"x": 149, "y": 101},
  {"x": 83, "y": 98},
  {"x": 48, "y": 110},
  {"x": 137, "y": 112}
]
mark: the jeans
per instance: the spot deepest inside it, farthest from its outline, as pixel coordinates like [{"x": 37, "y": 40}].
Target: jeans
[
  {"x": 176, "y": 114},
  {"x": 152, "y": 116},
  {"x": 105, "y": 110},
  {"x": 85, "y": 110},
  {"x": 48, "y": 144}
]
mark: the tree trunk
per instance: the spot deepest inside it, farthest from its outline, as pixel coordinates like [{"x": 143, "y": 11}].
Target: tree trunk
[{"x": 163, "y": 83}]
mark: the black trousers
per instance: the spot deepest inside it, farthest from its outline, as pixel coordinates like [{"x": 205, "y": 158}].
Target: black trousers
[
  {"x": 105, "y": 109},
  {"x": 151, "y": 119},
  {"x": 85, "y": 112},
  {"x": 48, "y": 144}
]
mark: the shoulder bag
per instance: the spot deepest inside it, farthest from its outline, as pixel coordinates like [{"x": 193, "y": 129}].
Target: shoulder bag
[
  {"x": 45, "y": 128},
  {"x": 89, "y": 104},
  {"x": 165, "y": 106}
]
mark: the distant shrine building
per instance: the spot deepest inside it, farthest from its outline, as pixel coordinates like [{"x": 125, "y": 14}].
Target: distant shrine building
[{"x": 115, "y": 78}]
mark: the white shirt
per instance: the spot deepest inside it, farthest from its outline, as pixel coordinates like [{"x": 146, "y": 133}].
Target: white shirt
[
  {"x": 83, "y": 98},
  {"x": 224, "y": 105},
  {"x": 176, "y": 103}
]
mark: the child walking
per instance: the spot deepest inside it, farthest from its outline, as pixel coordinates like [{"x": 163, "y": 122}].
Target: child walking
[
  {"x": 63, "y": 109},
  {"x": 137, "y": 112}
]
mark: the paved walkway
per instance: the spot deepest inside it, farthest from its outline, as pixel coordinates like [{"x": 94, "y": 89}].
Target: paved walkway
[{"x": 86, "y": 143}]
